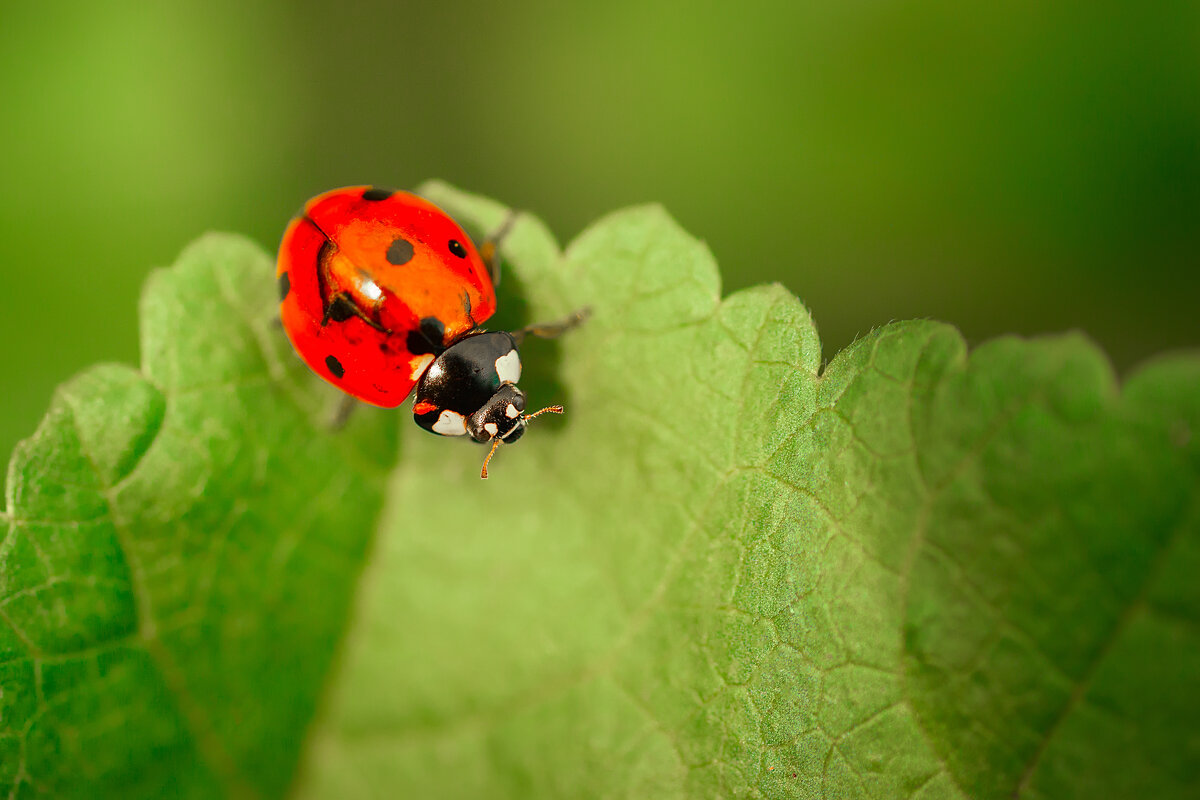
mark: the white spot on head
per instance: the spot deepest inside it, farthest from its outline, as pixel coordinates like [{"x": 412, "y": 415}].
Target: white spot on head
[
  {"x": 511, "y": 411},
  {"x": 491, "y": 428},
  {"x": 370, "y": 288},
  {"x": 450, "y": 423},
  {"x": 508, "y": 367}
]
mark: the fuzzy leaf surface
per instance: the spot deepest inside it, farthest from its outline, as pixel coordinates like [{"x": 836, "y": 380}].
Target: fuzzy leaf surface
[
  {"x": 726, "y": 572},
  {"x": 181, "y": 545}
]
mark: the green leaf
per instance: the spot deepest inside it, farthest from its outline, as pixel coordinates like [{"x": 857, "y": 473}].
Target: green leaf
[
  {"x": 179, "y": 553},
  {"x": 725, "y": 572}
]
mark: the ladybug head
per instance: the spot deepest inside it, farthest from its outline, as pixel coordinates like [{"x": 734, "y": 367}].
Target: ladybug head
[
  {"x": 502, "y": 420},
  {"x": 502, "y": 417},
  {"x": 470, "y": 390}
]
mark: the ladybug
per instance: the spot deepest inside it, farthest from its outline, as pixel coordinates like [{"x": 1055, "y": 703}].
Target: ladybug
[{"x": 381, "y": 291}]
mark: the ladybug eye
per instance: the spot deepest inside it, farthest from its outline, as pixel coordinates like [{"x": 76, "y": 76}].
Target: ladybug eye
[{"x": 457, "y": 249}]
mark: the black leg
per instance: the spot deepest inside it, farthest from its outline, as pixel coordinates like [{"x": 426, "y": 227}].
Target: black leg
[
  {"x": 341, "y": 414},
  {"x": 489, "y": 251},
  {"x": 551, "y": 330}
]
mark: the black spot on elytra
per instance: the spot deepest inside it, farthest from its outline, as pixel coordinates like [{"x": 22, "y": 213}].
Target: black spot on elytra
[
  {"x": 341, "y": 309},
  {"x": 377, "y": 193},
  {"x": 335, "y": 366},
  {"x": 427, "y": 338},
  {"x": 456, "y": 247},
  {"x": 285, "y": 286},
  {"x": 400, "y": 252}
]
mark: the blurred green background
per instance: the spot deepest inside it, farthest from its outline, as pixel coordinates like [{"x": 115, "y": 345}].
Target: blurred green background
[{"x": 1018, "y": 167}]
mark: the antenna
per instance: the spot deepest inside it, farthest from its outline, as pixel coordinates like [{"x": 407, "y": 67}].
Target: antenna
[{"x": 496, "y": 440}]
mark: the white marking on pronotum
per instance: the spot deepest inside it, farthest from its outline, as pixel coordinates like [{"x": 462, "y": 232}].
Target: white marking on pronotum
[
  {"x": 491, "y": 428},
  {"x": 511, "y": 411},
  {"x": 508, "y": 367},
  {"x": 419, "y": 364},
  {"x": 450, "y": 423}
]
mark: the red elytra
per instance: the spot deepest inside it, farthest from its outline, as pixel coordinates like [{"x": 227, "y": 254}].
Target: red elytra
[{"x": 398, "y": 276}]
